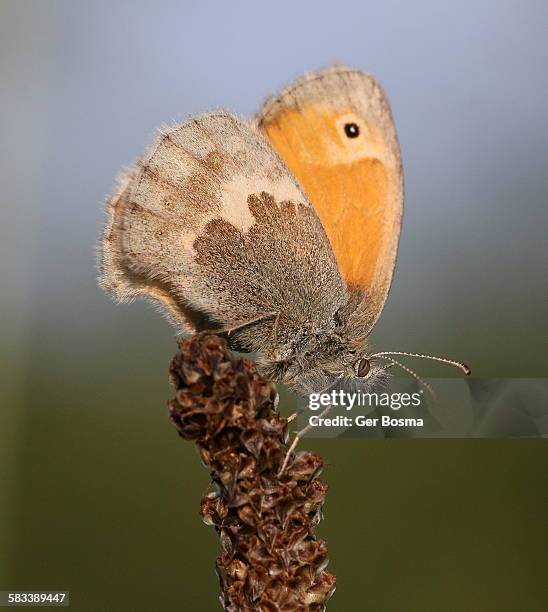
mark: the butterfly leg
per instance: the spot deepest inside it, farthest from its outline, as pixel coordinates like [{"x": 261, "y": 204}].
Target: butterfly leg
[
  {"x": 302, "y": 432},
  {"x": 289, "y": 453},
  {"x": 290, "y": 418},
  {"x": 238, "y": 326},
  {"x": 275, "y": 328}
]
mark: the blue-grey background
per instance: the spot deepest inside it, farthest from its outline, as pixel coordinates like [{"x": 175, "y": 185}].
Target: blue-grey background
[{"x": 97, "y": 494}]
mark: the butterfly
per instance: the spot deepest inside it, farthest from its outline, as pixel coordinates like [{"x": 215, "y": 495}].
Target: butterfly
[{"x": 280, "y": 233}]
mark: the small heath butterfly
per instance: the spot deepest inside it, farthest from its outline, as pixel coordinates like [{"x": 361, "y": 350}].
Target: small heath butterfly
[{"x": 280, "y": 233}]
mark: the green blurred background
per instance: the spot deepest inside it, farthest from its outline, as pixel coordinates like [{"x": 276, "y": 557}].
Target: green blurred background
[{"x": 98, "y": 495}]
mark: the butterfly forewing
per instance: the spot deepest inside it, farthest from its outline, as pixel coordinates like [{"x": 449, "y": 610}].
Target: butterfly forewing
[{"x": 335, "y": 132}]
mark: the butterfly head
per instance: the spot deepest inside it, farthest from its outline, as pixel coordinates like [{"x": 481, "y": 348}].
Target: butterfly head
[{"x": 347, "y": 367}]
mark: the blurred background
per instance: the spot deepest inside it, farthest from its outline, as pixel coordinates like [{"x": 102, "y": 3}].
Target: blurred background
[{"x": 97, "y": 493}]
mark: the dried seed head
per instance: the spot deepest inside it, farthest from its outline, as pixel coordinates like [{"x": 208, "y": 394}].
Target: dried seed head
[{"x": 271, "y": 559}]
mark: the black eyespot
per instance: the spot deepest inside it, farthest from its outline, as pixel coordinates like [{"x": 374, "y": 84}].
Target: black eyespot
[
  {"x": 351, "y": 130},
  {"x": 363, "y": 367}
]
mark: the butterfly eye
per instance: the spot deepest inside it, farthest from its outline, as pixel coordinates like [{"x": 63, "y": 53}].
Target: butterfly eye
[
  {"x": 351, "y": 130},
  {"x": 362, "y": 367}
]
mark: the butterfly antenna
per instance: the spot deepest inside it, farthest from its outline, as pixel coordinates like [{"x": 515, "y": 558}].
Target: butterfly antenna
[
  {"x": 458, "y": 364},
  {"x": 409, "y": 371}
]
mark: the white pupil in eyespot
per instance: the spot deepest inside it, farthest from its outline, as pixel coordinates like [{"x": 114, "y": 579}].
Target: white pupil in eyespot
[{"x": 351, "y": 130}]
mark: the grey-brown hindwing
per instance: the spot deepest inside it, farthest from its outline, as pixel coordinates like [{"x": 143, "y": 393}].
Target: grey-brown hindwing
[{"x": 213, "y": 228}]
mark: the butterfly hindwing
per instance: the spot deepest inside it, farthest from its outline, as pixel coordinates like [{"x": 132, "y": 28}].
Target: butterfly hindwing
[{"x": 213, "y": 228}]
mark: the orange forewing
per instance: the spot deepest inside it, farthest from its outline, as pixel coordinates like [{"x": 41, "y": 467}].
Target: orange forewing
[
  {"x": 354, "y": 184},
  {"x": 350, "y": 198}
]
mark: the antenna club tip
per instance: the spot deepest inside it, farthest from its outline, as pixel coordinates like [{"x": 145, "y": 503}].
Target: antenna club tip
[{"x": 465, "y": 368}]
